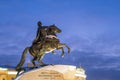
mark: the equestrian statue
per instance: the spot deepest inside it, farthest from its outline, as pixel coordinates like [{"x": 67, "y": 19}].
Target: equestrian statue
[{"x": 45, "y": 42}]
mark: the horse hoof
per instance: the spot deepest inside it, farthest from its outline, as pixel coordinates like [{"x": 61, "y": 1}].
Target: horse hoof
[
  {"x": 44, "y": 65},
  {"x": 68, "y": 51},
  {"x": 52, "y": 64},
  {"x": 62, "y": 55},
  {"x": 36, "y": 67}
]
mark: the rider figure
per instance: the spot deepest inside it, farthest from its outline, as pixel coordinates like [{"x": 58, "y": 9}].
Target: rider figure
[{"x": 41, "y": 33}]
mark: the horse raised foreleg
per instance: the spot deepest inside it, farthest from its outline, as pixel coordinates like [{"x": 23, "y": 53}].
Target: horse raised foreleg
[
  {"x": 61, "y": 45},
  {"x": 62, "y": 51},
  {"x": 67, "y": 47}
]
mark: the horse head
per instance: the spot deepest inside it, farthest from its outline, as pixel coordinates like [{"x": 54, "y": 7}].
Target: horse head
[{"x": 54, "y": 29}]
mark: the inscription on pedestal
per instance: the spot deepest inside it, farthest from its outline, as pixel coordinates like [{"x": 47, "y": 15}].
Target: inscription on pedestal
[
  {"x": 50, "y": 75},
  {"x": 42, "y": 75}
]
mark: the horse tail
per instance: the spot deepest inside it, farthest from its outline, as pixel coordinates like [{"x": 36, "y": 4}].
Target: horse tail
[{"x": 22, "y": 59}]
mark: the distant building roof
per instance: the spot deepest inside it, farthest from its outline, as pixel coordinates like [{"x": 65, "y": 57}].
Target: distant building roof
[
  {"x": 9, "y": 71},
  {"x": 3, "y": 68}
]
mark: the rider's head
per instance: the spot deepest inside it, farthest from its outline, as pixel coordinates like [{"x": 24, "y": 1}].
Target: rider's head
[{"x": 39, "y": 23}]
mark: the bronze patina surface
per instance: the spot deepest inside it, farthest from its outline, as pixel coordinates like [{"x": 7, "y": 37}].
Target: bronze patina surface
[{"x": 46, "y": 41}]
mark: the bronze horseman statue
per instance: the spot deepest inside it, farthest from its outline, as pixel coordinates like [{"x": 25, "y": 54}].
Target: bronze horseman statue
[{"x": 46, "y": 41}]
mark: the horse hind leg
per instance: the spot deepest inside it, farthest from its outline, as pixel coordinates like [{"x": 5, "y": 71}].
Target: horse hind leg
[
  {"x": 40, "y": 57},
  {"x": 19, "y": 71},
  {"x": 22, "y": 58},
  {"x": 33, "y": 61}
]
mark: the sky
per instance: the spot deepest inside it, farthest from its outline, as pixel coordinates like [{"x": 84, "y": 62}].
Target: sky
[{"x": 91, "y": 28}]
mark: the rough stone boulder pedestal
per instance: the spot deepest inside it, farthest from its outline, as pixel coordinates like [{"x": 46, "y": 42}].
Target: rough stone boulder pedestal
[{"x": 55, "y": 72}]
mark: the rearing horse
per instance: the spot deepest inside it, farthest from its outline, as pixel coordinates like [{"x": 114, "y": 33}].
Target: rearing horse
[{"x": 38, "y": 50}]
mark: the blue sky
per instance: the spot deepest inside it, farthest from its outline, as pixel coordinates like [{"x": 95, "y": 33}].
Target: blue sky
[{"x": 90, "y": 27}]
